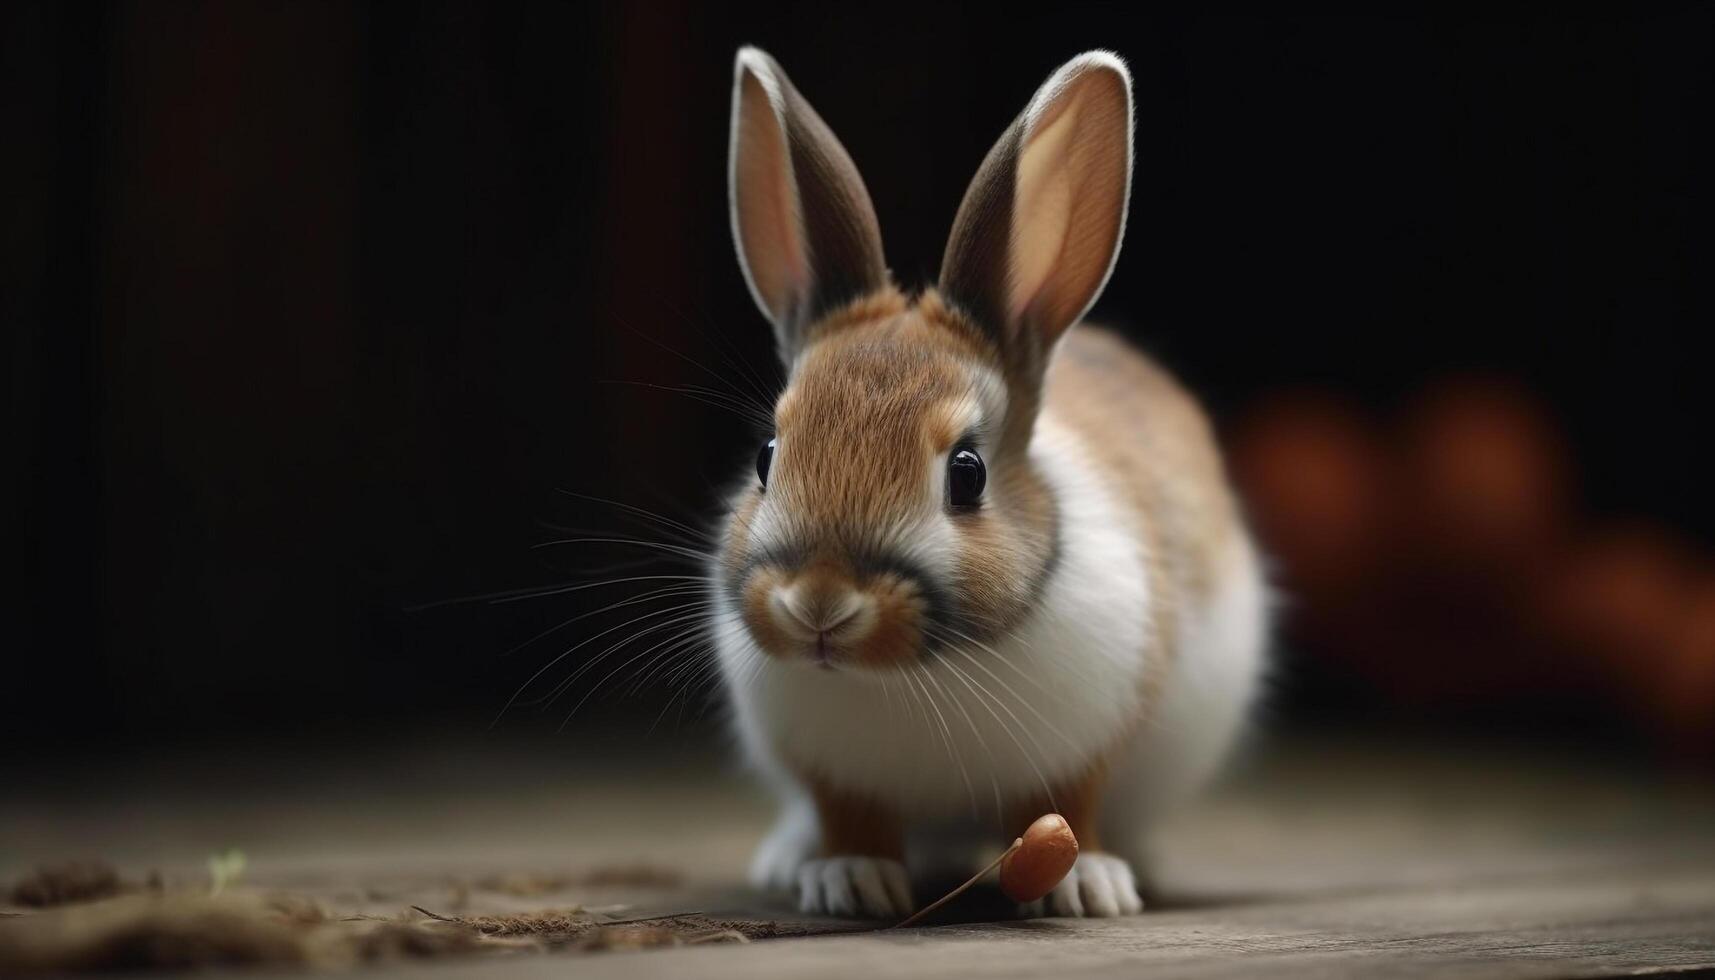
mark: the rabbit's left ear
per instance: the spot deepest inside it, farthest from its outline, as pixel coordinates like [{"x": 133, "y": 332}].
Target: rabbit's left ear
[
  {"x": 1039, "y": 229},
  {"x": 802, "y": 220}
]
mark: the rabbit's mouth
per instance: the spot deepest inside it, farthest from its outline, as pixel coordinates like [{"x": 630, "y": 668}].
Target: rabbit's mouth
[{"x": 823, "y": 655}]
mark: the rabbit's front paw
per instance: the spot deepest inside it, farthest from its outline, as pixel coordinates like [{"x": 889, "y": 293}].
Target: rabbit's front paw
[
  {"x": 1098, "y": 886},
  {"x": 785, "y": 849},
  {"x": 857, "y": 887}
]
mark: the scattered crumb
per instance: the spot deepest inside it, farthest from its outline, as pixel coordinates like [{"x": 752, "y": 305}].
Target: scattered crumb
[
  {"x": 75, "y": 881},
  {"x": 751, "y": 929},
  {"x": 558, "y": 926},
  {"x": 547, "y": 923}
]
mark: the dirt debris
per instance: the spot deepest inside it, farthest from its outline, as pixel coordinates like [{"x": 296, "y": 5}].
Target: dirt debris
[
  {"x": 596, "y": 932},
  {"x": 146, "y": 929},
  {"x": 547, "y": 922},
  {"x": 60, "y": 884},
  {"x": 134, "y": 932}
]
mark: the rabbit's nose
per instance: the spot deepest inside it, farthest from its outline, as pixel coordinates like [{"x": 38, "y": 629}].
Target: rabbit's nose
[{"x": 815, "y": 607}]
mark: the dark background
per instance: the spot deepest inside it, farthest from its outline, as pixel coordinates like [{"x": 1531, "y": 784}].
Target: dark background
[{"x": 311, "y": 309}]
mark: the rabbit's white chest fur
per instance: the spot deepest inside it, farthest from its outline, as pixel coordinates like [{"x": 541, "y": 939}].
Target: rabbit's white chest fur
[{"x": 969, "y": 727}]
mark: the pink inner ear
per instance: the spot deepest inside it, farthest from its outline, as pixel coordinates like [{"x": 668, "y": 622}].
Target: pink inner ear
[
  {"x": 765, "y": 201},
  {"x": 1072, "y": 179},
  {"x": 1042, "y": 208}
]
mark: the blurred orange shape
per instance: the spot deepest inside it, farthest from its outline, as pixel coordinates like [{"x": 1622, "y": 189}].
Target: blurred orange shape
[
  {"x": 1311, "y": 472},
  {"x": 1688, "y": 689},
  {"x": 1489, "y": 471},
  {"x": 1622, "y": 594}
]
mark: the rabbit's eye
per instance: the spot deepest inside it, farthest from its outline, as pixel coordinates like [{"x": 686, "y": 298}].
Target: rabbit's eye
[
  {"x": 764, "y": 459},
  {"x": 966, "y": 477}
]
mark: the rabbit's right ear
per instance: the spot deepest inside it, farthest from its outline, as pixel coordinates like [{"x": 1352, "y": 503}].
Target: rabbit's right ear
[
  {"x": 1036, "y": 237},
  {"x": 805, "y": 229}
]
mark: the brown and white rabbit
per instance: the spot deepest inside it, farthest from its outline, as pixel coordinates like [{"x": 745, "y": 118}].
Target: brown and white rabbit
[{"x": 991, "y": 565}]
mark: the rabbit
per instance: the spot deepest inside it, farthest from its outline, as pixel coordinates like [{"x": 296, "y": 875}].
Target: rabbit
[{"x": 989, "y": 565}]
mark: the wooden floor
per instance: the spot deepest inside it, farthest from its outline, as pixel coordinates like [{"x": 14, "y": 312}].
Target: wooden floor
[{"x": 1320, "y": 858}]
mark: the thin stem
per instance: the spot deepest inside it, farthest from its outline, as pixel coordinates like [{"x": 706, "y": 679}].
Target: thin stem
[{"x": 1017, "y": 843}]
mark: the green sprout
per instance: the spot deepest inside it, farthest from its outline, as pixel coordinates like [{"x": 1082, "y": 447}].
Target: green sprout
[{"x": 225, "y": 869}]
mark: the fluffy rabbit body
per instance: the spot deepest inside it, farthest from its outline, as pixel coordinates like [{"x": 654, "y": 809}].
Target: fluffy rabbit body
[{"x": 990, "y": 565}]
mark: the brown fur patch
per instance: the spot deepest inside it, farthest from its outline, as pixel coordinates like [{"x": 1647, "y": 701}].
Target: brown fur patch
[
  {"x": 879, "y": 305},
  {"x": 853, "y": 435},
  {"x": 1021, "y": 369},
  {"x": 755, "y": 607},
  {"x": 934, "y": 308},
  {"x": 1009, "y": 545},
  {"x": 855, "y": 825},
  {"x": 897, "y": 634}
]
